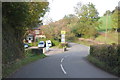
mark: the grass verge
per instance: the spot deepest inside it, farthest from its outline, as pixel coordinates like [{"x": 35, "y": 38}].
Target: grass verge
[
  {"x": 112, "y": 37},
  {"x": 101, "y": 65},
  {"x": 10, "y": 69},
  {"x": 84, "y": 43}
]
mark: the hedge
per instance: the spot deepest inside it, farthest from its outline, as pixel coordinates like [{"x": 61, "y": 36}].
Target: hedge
[{"x": 109, "y": 54}]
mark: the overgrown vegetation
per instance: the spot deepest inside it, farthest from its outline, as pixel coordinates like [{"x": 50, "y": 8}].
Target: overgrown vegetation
[
  {"x": 16, "y": 19},
  {"x": 106, "y": 57},
  {"x": 29, "y": 57}
]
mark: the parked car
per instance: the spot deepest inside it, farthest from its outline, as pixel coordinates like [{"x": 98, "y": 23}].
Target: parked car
[
  {"x": 49, "y": 43},
  {"x": 41, "y": 44},
  {"x": 26, "y": 46}
]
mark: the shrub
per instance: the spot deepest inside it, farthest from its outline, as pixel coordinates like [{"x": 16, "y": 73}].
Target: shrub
[
  {"x": 33, "y": 44},
  {"x": 109, "y": 54},
  {"x": 55, "y": 42}
]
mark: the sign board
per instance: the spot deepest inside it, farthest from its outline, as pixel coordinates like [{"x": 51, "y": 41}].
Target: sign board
[
  {"x": 63, "y": 38},
  {"x": 63, "y": 32}
]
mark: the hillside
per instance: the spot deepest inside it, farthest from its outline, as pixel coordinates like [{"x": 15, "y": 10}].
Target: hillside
[{"x": 103, "y": 26}]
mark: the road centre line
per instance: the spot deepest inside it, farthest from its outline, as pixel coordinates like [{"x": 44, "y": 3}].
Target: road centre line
[
  {"x": 62, "y": 60},
  {"x": 63, "y": 69}
]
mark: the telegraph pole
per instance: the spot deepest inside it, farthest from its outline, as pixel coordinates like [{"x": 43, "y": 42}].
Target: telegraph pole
[{"x": 106, "y": 28}]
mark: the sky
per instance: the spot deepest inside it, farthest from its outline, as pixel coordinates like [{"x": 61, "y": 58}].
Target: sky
[{"x": 60, "y": 8}]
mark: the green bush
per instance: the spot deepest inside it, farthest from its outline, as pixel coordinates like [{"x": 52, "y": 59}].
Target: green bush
[
  {"x": 33, "y": 44},
  {"x": 55, "y": 42},
  {"x": 109, "y": 54},
  {"x": 12, "y": 47}
]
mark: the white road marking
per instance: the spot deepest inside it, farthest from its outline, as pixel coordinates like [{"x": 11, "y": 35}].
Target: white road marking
[
  {"x": 62, "y": 60},
  {"x": 63, "y": 69}
]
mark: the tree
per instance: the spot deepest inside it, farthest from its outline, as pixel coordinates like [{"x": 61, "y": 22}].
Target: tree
[
  {"x": 88, "y": 18},
  {"x": 36, "y": 11},
  {"x": 53, "y": 30},
  {"x": 70, "y": 19},
  {"x": 115, "y": 17},
  {"x": 23, "y": 16},
  {"x": 108, "y": 12},
  {"x": 16, "y": 19}
]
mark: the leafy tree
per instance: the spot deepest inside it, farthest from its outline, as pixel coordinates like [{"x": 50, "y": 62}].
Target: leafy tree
[
  {"x": 88, "y": 18},
  {"x": 108, "y": 12},
  {"x": 17, "y": 17},
  {"x": 53, "y": 30},
  {"x": 71, "y": 19},
  {"x": 115, "y": 17},
  {"x": 22, "y": 15},
  {"x": 87, "y": 13}
]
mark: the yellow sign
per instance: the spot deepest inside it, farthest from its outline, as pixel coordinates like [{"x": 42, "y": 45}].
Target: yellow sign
[{"x": 63, "y": 32}]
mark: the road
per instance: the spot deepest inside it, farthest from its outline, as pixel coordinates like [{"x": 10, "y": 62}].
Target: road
[{"x": 69, "y": 64}]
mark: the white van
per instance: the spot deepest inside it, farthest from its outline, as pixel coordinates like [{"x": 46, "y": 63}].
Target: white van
[{"x": 48, "y": 43}]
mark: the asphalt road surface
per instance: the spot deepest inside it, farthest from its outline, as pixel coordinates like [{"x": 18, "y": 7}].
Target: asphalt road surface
[{"x": 69, "y": 64}]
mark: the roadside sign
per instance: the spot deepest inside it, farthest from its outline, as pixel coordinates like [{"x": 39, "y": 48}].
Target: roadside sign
[
  {"x": 63, "y": 32},
  {"x": 62, "y": 38}
]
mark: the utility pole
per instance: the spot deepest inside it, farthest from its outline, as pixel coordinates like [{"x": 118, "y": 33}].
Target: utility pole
[{"x": 106, "y": 28}]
